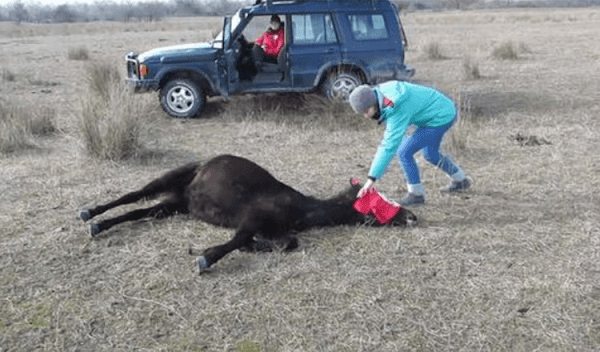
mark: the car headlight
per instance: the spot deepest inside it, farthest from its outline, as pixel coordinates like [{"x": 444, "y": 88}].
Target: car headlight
[{"x": 143, "y": 70}]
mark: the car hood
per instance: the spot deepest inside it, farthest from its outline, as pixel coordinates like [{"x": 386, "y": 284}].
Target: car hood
[{"x": 177, "y": 52}]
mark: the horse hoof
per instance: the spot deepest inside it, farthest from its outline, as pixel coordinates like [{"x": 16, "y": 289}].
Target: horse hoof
[
  {"x": 85, "y": 215},
  {"x": 95, "y": 229},
  {"x": 202, "y": 263}
]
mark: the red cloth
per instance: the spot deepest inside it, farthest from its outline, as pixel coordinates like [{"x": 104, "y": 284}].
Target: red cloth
[
  {"x": 272, "y": 42},
  {"x": 388, "y": 103},
  {"x": 375, "y": 204}
]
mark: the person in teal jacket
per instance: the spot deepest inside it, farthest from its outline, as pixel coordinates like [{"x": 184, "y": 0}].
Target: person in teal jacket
[{"x": 399, "y": 105}]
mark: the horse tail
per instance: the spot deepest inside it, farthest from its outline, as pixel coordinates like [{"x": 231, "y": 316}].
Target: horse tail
[{"x": 176, "y": 180}]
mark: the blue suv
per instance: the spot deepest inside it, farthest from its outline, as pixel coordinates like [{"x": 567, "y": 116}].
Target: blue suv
[{"x": 330, "y": 46}]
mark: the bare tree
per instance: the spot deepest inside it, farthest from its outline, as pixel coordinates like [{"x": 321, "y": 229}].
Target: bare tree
[
  {"x": 18, "y": 13},
  {"x": 64, "y": 13},
  {"x": 459, "y": 4},
  {"x": 188, "y": 7},
  {"x": 220, "y": 8},
  {"x": 152, "y": 10}
]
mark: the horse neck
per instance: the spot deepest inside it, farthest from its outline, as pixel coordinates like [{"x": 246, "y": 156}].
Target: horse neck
[{"x": 322, "y": 213}]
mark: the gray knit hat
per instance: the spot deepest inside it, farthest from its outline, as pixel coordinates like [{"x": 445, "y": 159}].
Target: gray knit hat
[{"x": 361, "y": 98}]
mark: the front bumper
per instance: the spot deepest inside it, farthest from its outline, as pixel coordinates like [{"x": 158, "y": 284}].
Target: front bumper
[
  {"x": 133, "y": 79},
  {"x": 142, "y": 85},
  {"x": 406, "y": 73}
]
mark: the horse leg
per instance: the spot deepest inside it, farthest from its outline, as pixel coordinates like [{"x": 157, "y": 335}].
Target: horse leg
[
  {"x": 244, "y": 241},
  {"x": 284, "y": 243},
  {"x": 152, "y": 189},
  {"x": 258, "y": 245},
  {"x": 254, "y": 246},
  {"x": 173, "y": 181},
  {"x": 255, "y": 221},
  {"x": 162, "y": 210},
  {"x": 243, "y": 238}
]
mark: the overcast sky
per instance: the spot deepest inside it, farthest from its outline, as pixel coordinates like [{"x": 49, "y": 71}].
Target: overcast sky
[
  {"x": 61, "y": 2},
  {"x": 51, "y": 2}
]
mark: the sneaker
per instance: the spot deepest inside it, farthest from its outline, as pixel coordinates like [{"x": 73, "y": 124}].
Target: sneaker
[
  {"x": 458, "y": 186},
  {"x": 412, "y": 199}
]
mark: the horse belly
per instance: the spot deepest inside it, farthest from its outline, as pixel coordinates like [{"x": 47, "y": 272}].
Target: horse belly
[
  {"x": 214, "y": 214},
  {"x": 216, "y": 208}
]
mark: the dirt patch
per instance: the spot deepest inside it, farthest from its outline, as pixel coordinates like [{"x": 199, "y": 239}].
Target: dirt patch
[{"x": 529, "y": 141}]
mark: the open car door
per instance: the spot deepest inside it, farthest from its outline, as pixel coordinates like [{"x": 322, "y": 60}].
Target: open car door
[{"x": 227, "y": 74}]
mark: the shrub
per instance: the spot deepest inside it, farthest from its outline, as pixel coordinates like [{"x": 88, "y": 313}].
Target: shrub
[
  {"x": 110, "y": 128},
  {"x": 13, "y": 135},
  {"x": 8, "y": 76},
  {"x": 506, "y": 51},
  {"x": 110, "y": 123},
  {"x": 470, "y": 69},
  {"x": 523, "y": 48},
  {"x": 457, "y": 139},
  {"x": 102, "y": 77},
  {"x": 80, "y": 53},
  {"x": 19, "y": 126},
  {"x": 434, "y": 52},
  {"x": 41, "y": 121}
]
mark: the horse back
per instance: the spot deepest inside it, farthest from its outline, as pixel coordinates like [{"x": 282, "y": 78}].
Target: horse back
[{"x": 228, "y": 189}]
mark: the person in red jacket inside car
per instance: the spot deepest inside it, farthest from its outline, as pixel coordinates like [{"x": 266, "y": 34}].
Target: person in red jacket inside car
[{"x": 268, "y": 46}]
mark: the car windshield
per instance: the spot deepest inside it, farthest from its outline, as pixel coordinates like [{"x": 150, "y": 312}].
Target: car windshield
[{"x": 235, "y": 21}]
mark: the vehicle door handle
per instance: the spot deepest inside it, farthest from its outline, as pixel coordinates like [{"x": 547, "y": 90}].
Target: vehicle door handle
[{"x": 330, "y": 50}]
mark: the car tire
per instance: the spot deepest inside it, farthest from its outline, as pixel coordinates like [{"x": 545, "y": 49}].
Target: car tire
[
  {"x": 341, "y": 84},
  {"x": 182, "y": 98}
]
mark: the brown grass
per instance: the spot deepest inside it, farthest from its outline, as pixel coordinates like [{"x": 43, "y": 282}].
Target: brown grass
[
  {"x": 113, "y": 121},
  {"x": 510, "y": 266},
  {"x": 8, "y": 76},
  {"x": 506, "y": 51},
  {"x": 21, "y": 126},
  {"x": 434, "y": 51},
  {"x": 470, "y": 69},
  {"x": 81, "y": 53}
]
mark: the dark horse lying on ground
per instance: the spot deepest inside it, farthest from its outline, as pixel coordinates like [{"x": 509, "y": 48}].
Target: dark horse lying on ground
[{"x": 234, "y": 192}]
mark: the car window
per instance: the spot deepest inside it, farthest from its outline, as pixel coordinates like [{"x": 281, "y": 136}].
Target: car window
[
  {"x": 368, "y": 27},
  {"x": 217, "y": 42},
  {"x": 258, "y": 25},
  {"x": 313, "y": 29}
]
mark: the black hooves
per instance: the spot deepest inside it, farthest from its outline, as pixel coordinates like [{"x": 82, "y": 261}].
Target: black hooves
[
  {"x": 202, "y": 263},
  {"x": 85, "y": 215},
  {"x": 95, "y": 229}
]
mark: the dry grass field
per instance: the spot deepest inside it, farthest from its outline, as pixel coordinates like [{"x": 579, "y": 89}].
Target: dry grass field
[{"x": 512, "y": 265}]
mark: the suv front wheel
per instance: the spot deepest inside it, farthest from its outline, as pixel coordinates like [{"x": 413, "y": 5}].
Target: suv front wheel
[
  {"x": 341, "y": 84},
  {"x": 182, "y": 98}
]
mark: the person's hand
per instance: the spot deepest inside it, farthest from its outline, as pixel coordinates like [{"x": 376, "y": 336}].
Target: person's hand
[{"x": 367, "y": 186}]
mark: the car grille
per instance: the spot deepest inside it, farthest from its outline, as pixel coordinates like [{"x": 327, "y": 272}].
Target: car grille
[{"x": 132, "y": 65}]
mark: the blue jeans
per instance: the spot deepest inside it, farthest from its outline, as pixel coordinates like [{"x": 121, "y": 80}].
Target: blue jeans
[{"x": 429, "y": 140}]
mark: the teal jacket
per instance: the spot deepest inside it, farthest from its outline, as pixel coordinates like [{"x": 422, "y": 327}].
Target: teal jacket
[{"x": 403, "y": 104}]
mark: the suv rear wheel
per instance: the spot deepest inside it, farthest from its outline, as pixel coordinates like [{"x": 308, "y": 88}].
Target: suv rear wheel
[
  {"x": 341, "y": 84},
  {"x": 182, "y": 98}
]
